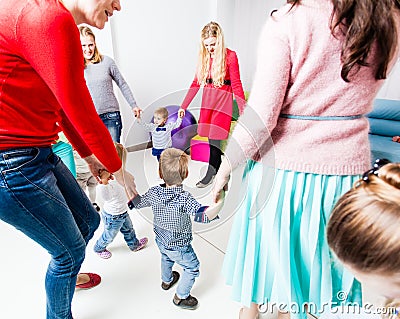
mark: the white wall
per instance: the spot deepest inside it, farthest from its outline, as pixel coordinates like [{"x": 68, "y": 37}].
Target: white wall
[
  {"x": 155, "y": 45},
  {"x": 391, "y": 88}
]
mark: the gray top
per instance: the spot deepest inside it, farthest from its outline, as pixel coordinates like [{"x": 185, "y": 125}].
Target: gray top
[{"x": 99, "y": 79}]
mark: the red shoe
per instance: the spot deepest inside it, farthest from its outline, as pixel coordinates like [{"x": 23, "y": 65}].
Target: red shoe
[{"x": 94, "y": 280}]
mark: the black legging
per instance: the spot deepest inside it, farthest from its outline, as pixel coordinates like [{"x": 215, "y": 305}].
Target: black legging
[{"x": 214, "y": 161}]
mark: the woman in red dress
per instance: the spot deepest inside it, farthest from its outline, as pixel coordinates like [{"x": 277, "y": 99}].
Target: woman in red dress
[{"x": 218, "y": 74}]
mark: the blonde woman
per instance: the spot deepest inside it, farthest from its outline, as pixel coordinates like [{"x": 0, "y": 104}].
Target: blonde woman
[
  {"x": 218, "y": 73},
  {"x": 363, "y": 232},
  {"x": 100, "y": 72}
]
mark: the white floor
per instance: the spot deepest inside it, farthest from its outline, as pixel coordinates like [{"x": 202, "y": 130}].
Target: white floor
[{"x": 130, "y": 285}]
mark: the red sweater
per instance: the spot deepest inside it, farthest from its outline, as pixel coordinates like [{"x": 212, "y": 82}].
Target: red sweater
[{"x": 42, "y": 85}]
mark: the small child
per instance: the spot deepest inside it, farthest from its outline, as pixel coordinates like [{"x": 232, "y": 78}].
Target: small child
[
  {"x": 172, "y": 207},
  {"x": 115, "y": 213},
  {"x": 85, "y": 179},
  {"x": 160, "y": 130}
]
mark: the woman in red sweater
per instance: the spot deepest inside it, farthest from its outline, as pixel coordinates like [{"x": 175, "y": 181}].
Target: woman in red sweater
[
  {"x": 218, "y": 75},
  {"x": 40, "y": 95}
]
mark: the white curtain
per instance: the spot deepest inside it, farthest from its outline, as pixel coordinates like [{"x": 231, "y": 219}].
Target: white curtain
[{"x": 246, "y": 19}]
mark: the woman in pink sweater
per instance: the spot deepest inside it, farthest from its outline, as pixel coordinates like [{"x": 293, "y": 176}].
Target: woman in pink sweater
[{"x": 320, "y": 66}]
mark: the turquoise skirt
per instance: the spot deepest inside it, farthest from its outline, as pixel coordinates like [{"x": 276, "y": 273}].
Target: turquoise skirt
[{"x": 277, "y": 254}]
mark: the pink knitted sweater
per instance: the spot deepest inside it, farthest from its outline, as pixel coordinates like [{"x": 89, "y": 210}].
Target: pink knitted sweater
[{"x": 298, "y": 73}]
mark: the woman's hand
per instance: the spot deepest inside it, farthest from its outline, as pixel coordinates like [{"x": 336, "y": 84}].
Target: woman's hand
[
  {"x": 95, "y": 167},
  {"x": 127, "y": 180},
  {"x": 221, "y": 181},
  {"x": 137, "y": 111},
  {"x": 105, "y": 176}
]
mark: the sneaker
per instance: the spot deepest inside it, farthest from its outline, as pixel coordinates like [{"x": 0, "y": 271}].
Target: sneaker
[
  {"x": 188, "y": 303},
  {"x": 94, "y": 280},
  {"x": 105, "y": 254},
  {"x": 175, "y": 278},
  {"x": 142, "y": 243}
]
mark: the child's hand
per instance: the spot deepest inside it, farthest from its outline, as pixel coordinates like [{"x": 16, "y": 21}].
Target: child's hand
[
  {"x": 181, "y": 113},
  {"x": 105, "y": 176},
  {"x": 137, "y": 112},
  {"x": 214, "y": 209},
  {"x": 126, "y": 179},
  {"x": 95, "y": 166}
]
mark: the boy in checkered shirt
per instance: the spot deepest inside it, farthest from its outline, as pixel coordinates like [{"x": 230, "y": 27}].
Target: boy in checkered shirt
[{"x": 172, "y": 207}]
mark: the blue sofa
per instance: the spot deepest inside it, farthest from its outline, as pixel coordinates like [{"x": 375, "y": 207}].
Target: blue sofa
[{"x": 384, "y": 123}]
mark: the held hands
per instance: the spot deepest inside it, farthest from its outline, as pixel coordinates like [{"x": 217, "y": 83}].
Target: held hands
[
  {"x": 213, "y": 210},
  {"x": 122, "y": 176},
  {"x": 105, "y": 176},
  {"x": 127, "y": 180},
  {"x": 95, "y": 167},
  {"x": 181, "y": 113}
]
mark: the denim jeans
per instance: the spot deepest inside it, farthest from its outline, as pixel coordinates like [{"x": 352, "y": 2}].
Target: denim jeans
[
  {"x": 113, "y": 122},
  {"x": 157, "y": 152},
  {"x": 40, "y": 197},
  {"x": 114, "y": 224},
  {"x": 187, "y": 259}
]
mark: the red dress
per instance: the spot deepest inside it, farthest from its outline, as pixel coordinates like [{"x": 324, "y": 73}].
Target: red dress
[{"x": 217, "y": 103}]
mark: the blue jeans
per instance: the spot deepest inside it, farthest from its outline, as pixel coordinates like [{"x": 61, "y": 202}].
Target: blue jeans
[
  {"x": 113, "y": 122},
  {"x": 114, "y": 224},
  {"x": 157, "y": 152},
  {"x": 40, "y": 197},
  {"x": 187, "y": 259}
]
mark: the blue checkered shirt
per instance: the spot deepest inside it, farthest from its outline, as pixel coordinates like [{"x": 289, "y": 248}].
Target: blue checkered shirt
[{"x": 172, "y": 208}]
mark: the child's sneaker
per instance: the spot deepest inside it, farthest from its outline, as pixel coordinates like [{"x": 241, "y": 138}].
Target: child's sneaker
[
  {"x": 105, "y": 254},
  {"x": 175, "y": 278},
  {"x": 142, "y": 243},
  {"x": 188, "y": 303}
]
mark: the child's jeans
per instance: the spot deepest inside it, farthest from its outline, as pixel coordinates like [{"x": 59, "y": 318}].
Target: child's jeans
[
  {"x": 187, "y": 259},
  {"x": 157, "y": 152},
  {"x": 114, "y": 224}
]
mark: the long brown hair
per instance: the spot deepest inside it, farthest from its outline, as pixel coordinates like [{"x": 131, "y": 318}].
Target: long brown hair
[{"x": 364, "y": 24}]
